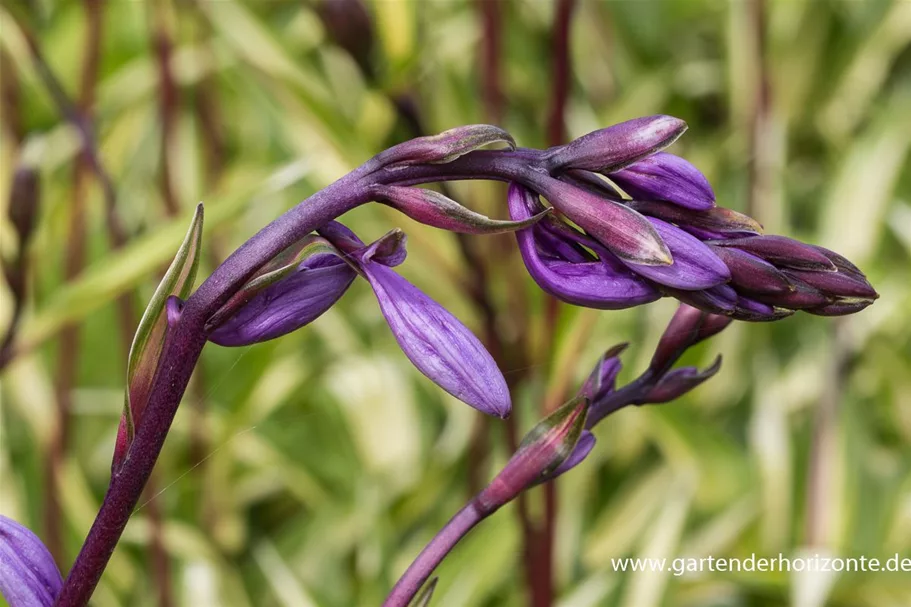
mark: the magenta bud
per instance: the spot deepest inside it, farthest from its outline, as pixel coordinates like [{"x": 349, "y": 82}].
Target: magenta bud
[
  {"x": 445, "y": 147},
  {"x": 752, "y": 274},
  {"x": 617, "y": 146},
  {"x": 541, "y": 452},
  {"x": 28, "y": 575},
  {"x": 782, "y": 251},
  {"x": 667, "y": 177},
  {"x": 434, "y": 209},
  {"x": 624, "y": 232},
  {"x": 678, "y": 382}
]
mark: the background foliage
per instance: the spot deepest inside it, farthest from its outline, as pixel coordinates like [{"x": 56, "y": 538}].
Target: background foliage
[{"x": 310, "y": 470}]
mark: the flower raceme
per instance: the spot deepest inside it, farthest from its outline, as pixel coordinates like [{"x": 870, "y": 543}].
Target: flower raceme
[{"x": 646, "y": 226}]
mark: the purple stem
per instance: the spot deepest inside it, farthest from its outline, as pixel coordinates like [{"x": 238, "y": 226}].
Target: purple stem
[
  {"x": 432, "y": 554},
  {"x": 185, "y": 343}
]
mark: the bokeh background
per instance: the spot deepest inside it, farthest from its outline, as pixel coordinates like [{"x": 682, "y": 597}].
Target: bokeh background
[{"x": 310, "y": 470}]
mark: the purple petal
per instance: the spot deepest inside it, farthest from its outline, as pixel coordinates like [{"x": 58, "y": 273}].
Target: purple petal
[
  {"x": 624, "y": 232},
  {"x": 601, "y": 284},
  {"x": 664, "y": 176},
  {"x": 678, "y": 382},
  {"x": 440, "y": 346},
  {"x": 602, "y": 381},
  {"x": 28, "y": 575},
  {"x": 752, "y": 274},
  {"x": 583, "y": 447},
  {"x": 288, "y": 304},
  {"x": 617, "y": 146},
  {"x": 782, "y": 251},
  {"x": 695, "y": 266}
]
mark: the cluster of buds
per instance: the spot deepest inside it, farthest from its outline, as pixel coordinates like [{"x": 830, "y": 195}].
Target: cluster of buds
[{"x": 646, "y": 226}]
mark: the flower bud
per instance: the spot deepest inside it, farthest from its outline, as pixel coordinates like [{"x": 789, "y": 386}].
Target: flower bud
[
  {"x": 782, "y": 251},
  {"x": 444, "y": 147},
  {"x": 841, "y": 307},
  {"x": 836, "y": 284},
  {"x": 678, "y": 382},
  {"x": 561, "y": 267},
  {"x": 688, "y": 327},
  {"x": 664, "y": 176},
  {"x": 541, "y": 452},
  {"x": 752, "y": 274},
  {"x": 624, "y": 232},
  {"x": 602, "y": 380},
  {"x": 617, "y": 146},
  {"x": 434, "y": 209},
  {"x": 721, "y": 222},
  {"x": 695, "y": 266},
  {"x": 28, "y": 575}
]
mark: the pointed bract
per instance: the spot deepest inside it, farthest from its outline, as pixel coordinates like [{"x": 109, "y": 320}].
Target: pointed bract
[
  {"x": 583, "y": 447},
  {"x": 426, "y": 594},
  {"x": 150, "y": 334},
  {"x": 434, "y": 209},
  {"x": 541, "y": 452},
  {"x": 446, "y": 146},
  {"x": 782, "y": 252},
  {"x": 617, "y": 146},
  {"x": 664, "y": 176},
  {"x": 28, "y": 574}
]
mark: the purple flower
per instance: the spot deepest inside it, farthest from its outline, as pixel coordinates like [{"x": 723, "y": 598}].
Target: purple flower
[
  {"x": 288, "y": 304},
  {"x": 555, "y": 256},
  {"x": 434, "y": 340},
  {"x": 28, "y": 575},
  {"x": 664, "y": 176}
]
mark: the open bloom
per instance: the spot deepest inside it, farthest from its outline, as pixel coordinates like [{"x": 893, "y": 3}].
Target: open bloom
[
  {"x": 309, "y": 278},
  {"x": 669, "y": 239}
]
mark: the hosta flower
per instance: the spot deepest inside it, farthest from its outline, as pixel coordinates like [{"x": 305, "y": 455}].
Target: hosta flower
[
  {"x": 434, "y": 340},
  {"x": 306, "y": 280},
  {"x": 670, "y": 239},
  {"x": 28, "y": 575}
]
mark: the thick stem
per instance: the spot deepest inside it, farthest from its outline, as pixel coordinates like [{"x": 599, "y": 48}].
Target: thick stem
[{"x": 433, "y": 554}]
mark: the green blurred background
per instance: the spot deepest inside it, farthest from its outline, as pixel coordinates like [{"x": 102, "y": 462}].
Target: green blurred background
[{"x": 310, "y": 470}]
